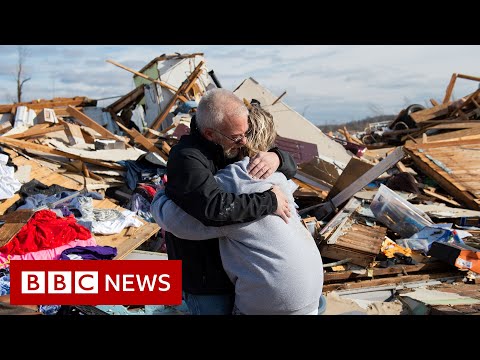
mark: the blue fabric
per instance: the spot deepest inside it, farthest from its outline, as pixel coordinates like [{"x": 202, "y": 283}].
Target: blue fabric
[
  {"x": 5, "y": 282},
  {"x": 49, "y": 309},
  {"x": 139, "y": 172},
  {"x": 209, "y": 304}
]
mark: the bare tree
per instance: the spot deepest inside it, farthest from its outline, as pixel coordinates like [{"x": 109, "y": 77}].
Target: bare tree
[{"x": 20, "y": 75}]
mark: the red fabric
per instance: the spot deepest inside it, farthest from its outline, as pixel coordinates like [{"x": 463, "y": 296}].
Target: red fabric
[
  {"x": 45, "y": 231},
  {"x": 149, "y": 189}
]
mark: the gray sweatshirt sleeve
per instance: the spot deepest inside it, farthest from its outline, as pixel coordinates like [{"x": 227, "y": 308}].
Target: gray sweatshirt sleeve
[{"x": 173, "y": 219}]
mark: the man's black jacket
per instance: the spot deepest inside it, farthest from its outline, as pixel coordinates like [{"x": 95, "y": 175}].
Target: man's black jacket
[{"x": 192, "y": 186}]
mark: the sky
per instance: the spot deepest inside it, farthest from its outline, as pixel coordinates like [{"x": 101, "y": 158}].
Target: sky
[{"x": 328, "y": 84}]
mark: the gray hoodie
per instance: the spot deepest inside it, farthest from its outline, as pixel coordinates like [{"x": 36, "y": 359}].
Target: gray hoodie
[{"x": 276, "y": 267}]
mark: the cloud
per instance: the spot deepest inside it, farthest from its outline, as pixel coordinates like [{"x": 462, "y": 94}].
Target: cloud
[{"x": 329, "y": 83}]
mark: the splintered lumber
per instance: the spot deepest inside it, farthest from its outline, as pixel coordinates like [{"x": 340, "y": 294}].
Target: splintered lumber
[
  {"x": 142, "y": 140},
  {"x": 394, "y": 270},
  {"x": 74, "y": 134},
  {"x": 25, "y": 145},
  {"x": 330, "y": 206},
  {"x": 449, "y": 90},
  {"x": 453, "y": 165},
  {"x": 124, "y": 243},
  {"x": 183, "y": 89},
  {"x": 440, "y": 197},
  {"x": 391, "y": 280},
  {"x": 451, "y": 84},
  {"x": 54, "y": 103},
  {"x": 470, "y": 99},
  {"x": 159, "y": 82},
  {"x": 128, "y": 99},
  {"x": 430, "y": 113},
  {"x": 459, "y": 135},
  {"x": 37, "y": 130},
  {"x": 87, "y": 121}
]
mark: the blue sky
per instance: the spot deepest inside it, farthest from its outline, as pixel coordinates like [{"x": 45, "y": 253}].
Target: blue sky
[{"x": 326, "y": 83}]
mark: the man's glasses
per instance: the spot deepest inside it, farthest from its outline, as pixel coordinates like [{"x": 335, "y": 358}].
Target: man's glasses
[{"x": 237, "y": 140}]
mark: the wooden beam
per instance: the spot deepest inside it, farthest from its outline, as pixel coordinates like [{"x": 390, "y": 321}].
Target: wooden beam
[
  {"x": 468, "y": 77},
  {"x": 127, "y": 99},
  {"x": 86, "y": 121},
  {"x": 159, "y": 82},
  {"x": 51, "y": 104},
  {"x": 25, "y": 145},
  {"x": 441, "y": 197},
  {"x": 186, "y": 85},
  {"x": 392, "y": 280},
  {"x": 449, "y": 90},
  {"x": 470, "y": 98},
  {"x": 430, "y": 113},
  {"x": 36, "y": 132},
  {"x": 142, "y": 140},
  {"x": 434, "y": 102},
  {"x": 393, "y": 270},
  {"x": 74, "y": 134}
]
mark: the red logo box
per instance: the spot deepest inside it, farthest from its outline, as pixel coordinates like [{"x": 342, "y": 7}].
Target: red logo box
[{"x": 96, "y": 282}]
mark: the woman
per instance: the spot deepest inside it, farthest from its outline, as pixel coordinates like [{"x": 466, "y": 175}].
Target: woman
[{"x": 275, "y": 266}]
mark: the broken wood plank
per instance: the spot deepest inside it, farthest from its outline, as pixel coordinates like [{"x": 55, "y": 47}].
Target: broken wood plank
[
  {"x": 128, "y": 99},
  {"x": 354, "y": 169},
  {"x": 87, "y": 121},
  {"x": 183, "y": 89},
  {"x": 143, "y": 76},
  {"x": 37, "y": 131},
  {"x": 142, "y": 140},
  {"x": 394, "y": 280},
  {"x": 430, "y": 113},
  {"x": 51, "y": 104},
  {"x": 449, "y": 90},
  {"x": 25, "y": 145},
  {"x": 74, "y": 134},
  {"x": 441, "y": 197},
  {"x": 393, "y": 270},
  {"x": 448, "y": 181}
]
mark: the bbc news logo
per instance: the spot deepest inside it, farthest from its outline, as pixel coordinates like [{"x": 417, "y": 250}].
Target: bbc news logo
[{"x": 96, "y": 282}]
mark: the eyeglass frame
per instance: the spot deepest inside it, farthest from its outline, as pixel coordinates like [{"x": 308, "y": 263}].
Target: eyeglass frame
[{"x": 237, "y": 140}]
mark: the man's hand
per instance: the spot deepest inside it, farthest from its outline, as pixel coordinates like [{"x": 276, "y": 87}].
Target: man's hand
[
  {"x": 283, "y": 208},
  {"x": 263, "y": 165}
]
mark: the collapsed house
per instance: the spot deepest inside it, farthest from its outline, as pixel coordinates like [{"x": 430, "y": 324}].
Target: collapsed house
[{"x": 358, "y": 209}]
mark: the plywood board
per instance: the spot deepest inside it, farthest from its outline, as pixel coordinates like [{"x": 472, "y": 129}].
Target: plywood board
[
  {"x": 13, "y": 223},
  {"x": 454, "y": 165}
]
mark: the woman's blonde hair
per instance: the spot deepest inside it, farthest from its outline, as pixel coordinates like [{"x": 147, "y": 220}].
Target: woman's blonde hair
[{"x": 261, "y": 133}]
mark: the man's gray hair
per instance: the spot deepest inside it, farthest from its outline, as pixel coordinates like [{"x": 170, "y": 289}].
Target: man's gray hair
[{"x": 216, "y": 106}]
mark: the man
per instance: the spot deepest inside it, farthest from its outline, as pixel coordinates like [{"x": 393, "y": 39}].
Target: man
[
  {"x": 276, "y": 267},
  {"x": 218, "y": 132}
]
